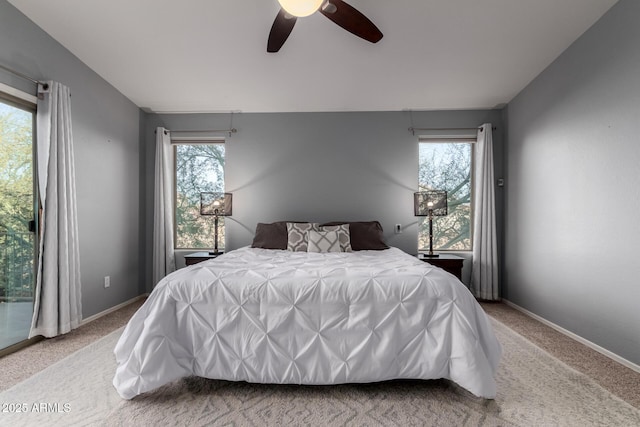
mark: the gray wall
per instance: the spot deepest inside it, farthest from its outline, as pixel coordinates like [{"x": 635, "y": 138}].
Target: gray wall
[
  {"x": 573, "y": 187},
  {"x": 319, "y": 167},
  {"x": 106, "y": 135}
]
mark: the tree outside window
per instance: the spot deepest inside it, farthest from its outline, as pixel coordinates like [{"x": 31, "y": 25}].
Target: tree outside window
[
  {"x": 16, "y": 203},
  {"x": 447, "y": 165},
  {"x": 199, "y": 168}
]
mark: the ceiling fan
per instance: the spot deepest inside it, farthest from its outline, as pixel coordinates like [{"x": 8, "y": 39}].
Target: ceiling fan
[{"x": 338, "y": 11}]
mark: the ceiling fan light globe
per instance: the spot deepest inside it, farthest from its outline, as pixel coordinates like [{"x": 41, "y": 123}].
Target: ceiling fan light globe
[{"x": 300, "y": 8}]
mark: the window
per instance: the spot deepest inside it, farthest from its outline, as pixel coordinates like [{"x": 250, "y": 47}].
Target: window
[
  {"x": 446, "y": 164},
  {"x": 199, "y": 167},
  {"x": 18, "y": 198}
]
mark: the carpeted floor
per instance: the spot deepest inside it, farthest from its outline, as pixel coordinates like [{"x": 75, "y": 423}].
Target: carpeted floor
[
  {"x": 24, "y": 363},
  {"x": 612, "y": 376},
  {"x": 534, "y": 388}
]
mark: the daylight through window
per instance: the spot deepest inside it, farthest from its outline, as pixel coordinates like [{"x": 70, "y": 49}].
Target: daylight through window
[
  {"x": 199, "y": 167},
  {"x": 18, "y": 225},
  {"x": 446, "y": 164}
]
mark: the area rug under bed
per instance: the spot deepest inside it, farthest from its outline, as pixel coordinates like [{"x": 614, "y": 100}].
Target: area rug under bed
[{"x": 534, "y": 388}]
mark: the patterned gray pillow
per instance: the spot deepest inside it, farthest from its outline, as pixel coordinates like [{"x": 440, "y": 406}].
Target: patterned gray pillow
[
  {"x": 298, "y": 235},
  {"x": 323, "y": 241},
  {"x": 343, "y": 235}
]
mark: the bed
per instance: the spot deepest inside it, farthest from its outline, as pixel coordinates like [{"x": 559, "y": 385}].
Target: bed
[{"x": 268, "y": 315}]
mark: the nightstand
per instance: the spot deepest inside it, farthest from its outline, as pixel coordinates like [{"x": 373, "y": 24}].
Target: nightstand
[
  {"x": 197, "y": 257},
  {"x": 448, "y": 262}
]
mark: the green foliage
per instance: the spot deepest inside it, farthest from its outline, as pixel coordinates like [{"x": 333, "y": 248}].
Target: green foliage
[
  {"x": 199, "y": 168},
  {"x": 447, "y": 166},
  {"x": 16, "y": 202}
]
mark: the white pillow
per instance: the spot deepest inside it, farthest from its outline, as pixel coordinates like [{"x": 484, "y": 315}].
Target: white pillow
[
  {"x": 323, "y": 241},
  {"x": 343, "y": 235}
]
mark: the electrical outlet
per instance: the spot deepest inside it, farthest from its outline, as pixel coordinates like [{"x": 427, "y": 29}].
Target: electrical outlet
[
  {"x": 398, "y": 229},
  {"x": 107, "y": 281}
]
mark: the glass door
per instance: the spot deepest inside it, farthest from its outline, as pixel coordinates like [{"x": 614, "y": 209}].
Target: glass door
[{"x": 17, "y": 224}]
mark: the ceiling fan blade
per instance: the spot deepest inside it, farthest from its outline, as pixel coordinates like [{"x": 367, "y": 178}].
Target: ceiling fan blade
[
  {"x": 280, "y": 30},
  {"x": 351, "y": 20}
]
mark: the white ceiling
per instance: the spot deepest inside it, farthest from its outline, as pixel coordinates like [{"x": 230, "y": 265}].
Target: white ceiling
[{"x": 210, "y": 55}]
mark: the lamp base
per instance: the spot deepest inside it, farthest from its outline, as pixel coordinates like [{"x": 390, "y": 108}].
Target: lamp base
[
  {"x": 429, "y": 255},
  {"x": 215, "y": 252}
]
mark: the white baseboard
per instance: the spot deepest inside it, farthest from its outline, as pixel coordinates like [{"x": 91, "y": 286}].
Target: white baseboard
[
  {"x": 112, "y": 309},
  {"x": 576, "y": 337}
]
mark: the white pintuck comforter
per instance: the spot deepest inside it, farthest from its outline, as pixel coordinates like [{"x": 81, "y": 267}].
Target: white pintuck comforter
[{"x": 270, "y": 316}]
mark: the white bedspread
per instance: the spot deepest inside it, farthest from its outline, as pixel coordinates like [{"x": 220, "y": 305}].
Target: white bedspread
[{"x": 270, "y": 316}]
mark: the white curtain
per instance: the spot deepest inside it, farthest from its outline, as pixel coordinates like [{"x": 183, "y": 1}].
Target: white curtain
[
  {"x": 163, "y": 253},
  {"x": 57, "y": 300},
  {"x": 484, "y": 274}
]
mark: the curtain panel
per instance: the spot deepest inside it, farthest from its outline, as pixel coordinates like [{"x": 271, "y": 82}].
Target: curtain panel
[
  {"x": 163, "y": 248},
  {"x": 57, "y": 298},
  {"x": 484, "y": 273}
]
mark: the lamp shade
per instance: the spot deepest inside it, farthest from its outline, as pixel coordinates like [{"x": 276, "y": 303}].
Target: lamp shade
[
  {"x": 436, "y": 200},
  {"x": 300, "y": 8},
  {"x": 216, "y": 204}
]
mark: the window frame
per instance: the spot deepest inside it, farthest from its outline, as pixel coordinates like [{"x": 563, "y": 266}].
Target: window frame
[
  {"x": 471, "y": 140},
  {"x": 28, "y": 103},
  {"x": 174, "y": 150},
  {"x": 21, "y": 99}
]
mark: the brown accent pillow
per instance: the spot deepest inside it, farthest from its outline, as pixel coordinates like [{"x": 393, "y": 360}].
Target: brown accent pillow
[
  {"x": 365, "y": 235},
  {"x": 271, "y": 236}
]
